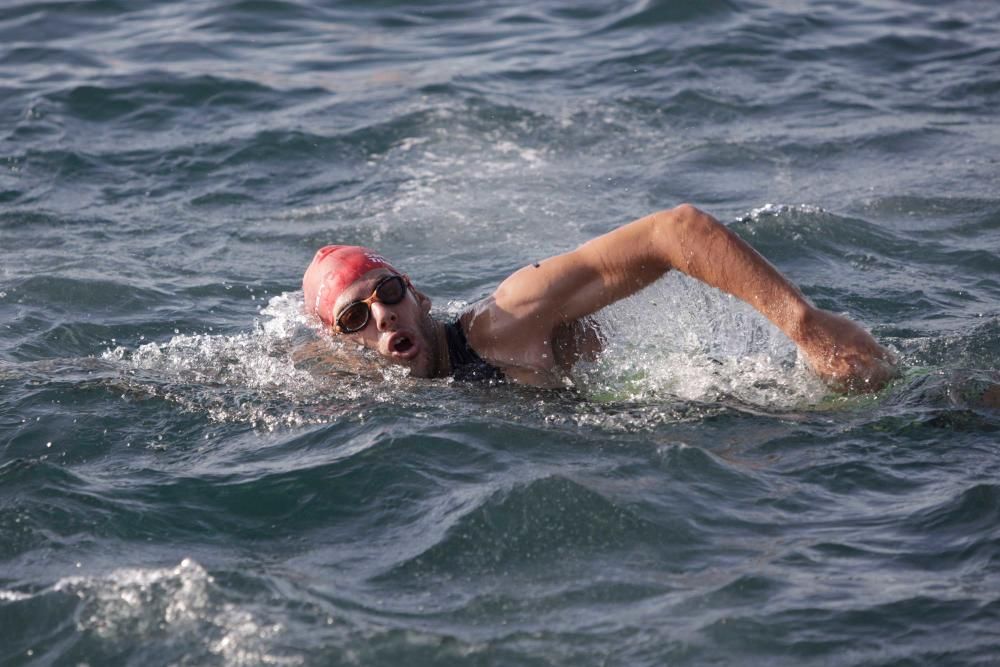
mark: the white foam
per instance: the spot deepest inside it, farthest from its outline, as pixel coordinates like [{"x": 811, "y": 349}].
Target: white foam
[
  {"x": 259, "y": 359},
  {"x": 179, "y": 604},
  {"x": 279, "y": 374},
  {"x": 13, "y": 596},
  {"x": 211, "y": 373},
  {"x": 773, "y": 210}
]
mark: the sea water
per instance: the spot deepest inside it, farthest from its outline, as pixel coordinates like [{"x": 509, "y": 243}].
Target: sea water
[{"x": 186, "y": 479}]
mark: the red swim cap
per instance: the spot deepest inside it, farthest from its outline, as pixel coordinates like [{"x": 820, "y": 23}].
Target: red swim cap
[{"x": 333, "y": 269}]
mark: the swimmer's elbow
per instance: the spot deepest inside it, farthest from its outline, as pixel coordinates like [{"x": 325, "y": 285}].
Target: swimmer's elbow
[
  {"x": 680, "y": 232},
  {"x": 690, "y": 221},
  {"x": 686, "y": 211}
]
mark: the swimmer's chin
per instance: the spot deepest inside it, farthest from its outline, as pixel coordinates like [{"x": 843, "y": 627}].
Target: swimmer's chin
[{"x": 418, "y": 365}]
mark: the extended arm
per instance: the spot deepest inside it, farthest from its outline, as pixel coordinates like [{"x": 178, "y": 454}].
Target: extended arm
[{"x": 613, "y": 266}]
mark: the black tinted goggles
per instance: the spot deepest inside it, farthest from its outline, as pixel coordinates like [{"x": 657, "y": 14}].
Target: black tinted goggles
[{"x": 355, "y": 315}]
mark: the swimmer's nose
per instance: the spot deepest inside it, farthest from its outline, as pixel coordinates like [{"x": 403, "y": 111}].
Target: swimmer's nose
[{"x": 385, "y": 316}]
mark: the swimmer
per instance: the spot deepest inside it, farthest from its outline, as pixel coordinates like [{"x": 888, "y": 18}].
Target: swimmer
[{"x": 534, "y": 327}]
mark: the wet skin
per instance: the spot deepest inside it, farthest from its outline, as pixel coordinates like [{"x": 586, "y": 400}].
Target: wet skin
[
  {"x": 533, "y": 326},
  {"x": 402, "y": 333},
  {"x": 405, "y": 334}
]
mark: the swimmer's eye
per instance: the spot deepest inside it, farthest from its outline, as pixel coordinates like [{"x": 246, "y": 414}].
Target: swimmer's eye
[{"x": 354, "y": 317}]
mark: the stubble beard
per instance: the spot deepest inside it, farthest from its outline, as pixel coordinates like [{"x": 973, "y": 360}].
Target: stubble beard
[{"x": 429, "y": 330}]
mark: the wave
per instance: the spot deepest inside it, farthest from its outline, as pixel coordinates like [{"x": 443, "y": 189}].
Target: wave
[
  {"x": 112, "y": 617},
  {"x": 539, "y": 522}
]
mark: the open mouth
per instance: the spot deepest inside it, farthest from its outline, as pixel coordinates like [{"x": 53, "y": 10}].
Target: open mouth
[{"x": 402, "y": 344}]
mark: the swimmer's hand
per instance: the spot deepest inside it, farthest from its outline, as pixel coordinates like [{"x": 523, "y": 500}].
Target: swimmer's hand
[{"x": 843, "y": 354}]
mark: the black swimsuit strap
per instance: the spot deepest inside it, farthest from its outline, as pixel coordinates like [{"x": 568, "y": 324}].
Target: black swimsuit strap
[{"x": 465, "y": 363}]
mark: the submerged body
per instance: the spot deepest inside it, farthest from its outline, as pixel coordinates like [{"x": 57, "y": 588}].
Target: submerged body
[{"x": 533, "y": 328}]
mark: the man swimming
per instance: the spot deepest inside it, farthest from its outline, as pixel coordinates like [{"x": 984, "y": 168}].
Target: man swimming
[{"x": 532, "y": 329}]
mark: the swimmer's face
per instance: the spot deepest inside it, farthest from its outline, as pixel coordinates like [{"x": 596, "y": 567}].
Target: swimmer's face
[{"x": 401, "y": 333}]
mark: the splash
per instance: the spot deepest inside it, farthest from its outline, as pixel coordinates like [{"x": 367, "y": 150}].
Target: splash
[
  {"x": 770, "y": 210},
  {"x": 680, "y": 339},
  {"x": 272, "y": 376},
  {"x": 256, "y": 360}
]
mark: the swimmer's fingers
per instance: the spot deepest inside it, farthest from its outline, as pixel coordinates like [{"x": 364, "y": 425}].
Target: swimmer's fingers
[
  {"x": 860, "y": 374},
  {"x": 844, "y": 355}
]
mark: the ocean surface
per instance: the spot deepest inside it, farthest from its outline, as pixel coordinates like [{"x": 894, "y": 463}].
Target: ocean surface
[{"x": 185, "y": 478}]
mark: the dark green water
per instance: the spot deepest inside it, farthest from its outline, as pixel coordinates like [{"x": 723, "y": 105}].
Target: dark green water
[{"x": 180, "y": 484}]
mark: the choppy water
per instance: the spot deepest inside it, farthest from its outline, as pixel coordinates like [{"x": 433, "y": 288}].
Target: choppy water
[{"x": 181, "y": 482}]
